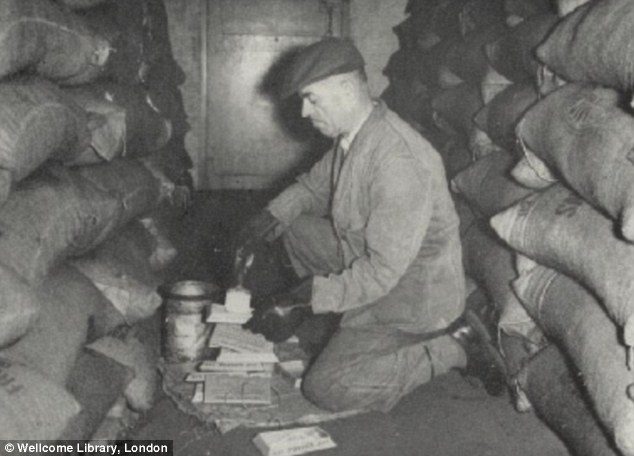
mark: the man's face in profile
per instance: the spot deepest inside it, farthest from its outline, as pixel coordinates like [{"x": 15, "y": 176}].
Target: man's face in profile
[{"x": 324, "y": 104}]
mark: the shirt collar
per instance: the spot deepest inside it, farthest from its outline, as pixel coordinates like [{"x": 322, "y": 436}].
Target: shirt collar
[{"x": 346, "y": 140}]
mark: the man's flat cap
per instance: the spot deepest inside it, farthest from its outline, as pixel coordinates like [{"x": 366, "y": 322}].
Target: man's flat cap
[{"x": 320, "y": 60}]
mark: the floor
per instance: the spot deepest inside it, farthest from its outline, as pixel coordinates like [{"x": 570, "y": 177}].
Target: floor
[{"x": 448, "y": 417}]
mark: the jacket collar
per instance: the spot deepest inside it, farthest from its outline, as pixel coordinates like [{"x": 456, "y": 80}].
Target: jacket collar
[{"x": 346, "y": 142}]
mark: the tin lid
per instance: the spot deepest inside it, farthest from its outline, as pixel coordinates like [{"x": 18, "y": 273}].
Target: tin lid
[{"x": 191, "y": 290}]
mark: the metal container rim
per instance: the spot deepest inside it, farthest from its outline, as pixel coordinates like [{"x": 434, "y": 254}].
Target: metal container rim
[{"x": 209, "y": 291}]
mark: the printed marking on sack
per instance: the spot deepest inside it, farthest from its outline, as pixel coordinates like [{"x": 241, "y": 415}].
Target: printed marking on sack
[
  {"x": 9, "y": 383},
  {"x": 585, "y": 112},
  {"x": 569, "y": 206},
  {"x": 525, "y": 206}
]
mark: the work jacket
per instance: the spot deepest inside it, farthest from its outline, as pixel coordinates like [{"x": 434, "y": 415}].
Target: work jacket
[{"x": 396, "y": 224}]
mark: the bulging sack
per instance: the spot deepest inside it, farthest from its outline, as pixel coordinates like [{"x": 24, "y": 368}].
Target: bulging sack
[
  {"x": 138, "y": 33},
  {"x": 50, "y": 217},
  {"x": 55, "y": 340},
  {"x": 37, "y": 122},
  {"x": 594, "y": 44},
  {"x": 104, "y": 317},
  {"x": 420, "y": 7},
  {"x": 558, "y": 229},
  {"x": 38, "y": 34},
  {"x": 547, "y": 80},
  {"x": 163, "y": 251},
  {"x": 486, "y": 184},
  {"x": 513, "y": 54},
  {"x": 406, "y": 94},
  {"x": 32, "y": 407},
  {"x": 130, "y": 181},
  {"x": 404, "y": 31},
  {"x": 145, "y": 128},
  {"x": 134, "y": 299},
  {"x": 532, "y": 172},
  {"x": 425, "y": 65},
  {"x": 500, "y": 116},
  {"x": 96, "y": 382},
  {"x": 19, "y": 306},
  {"x": 455, "y": 156},
  {"x": 456, "y": 107},
  {"x": 527, "y": 8},
  {"x": 492, "y": 84},
  {"x": 480, "y": 144},
  {"x": 120, "y": 267},
  {"x": 565, "y": 7},
  {"x": 582, "y": 135},
  {"x": 466, "y": 57},
  {"x": 107, "y": 125},
  {"x": 125, "y": 25},
  {"x": 415, "y": 33},
  {"x": 447, "y": 78},
  {"x": 129, "y": 348},
  {"x": 480, "y": 14},
  {"x": 571, "y": 315},
  {"x": 444, "y": 17},
  {"x": 132, "y": 247},
  {"x": 172, "y": 163}
]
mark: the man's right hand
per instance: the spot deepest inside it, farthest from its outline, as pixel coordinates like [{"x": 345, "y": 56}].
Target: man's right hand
[
  {"x": 261, "y": 228},
  {"x": 278, "y": 316}
]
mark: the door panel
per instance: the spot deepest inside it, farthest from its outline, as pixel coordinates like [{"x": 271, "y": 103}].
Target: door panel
[
  {"x": 252, "y": 140},
  {"x": 274, "y": 17}
]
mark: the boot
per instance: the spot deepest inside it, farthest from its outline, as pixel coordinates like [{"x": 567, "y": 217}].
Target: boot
[{"x": 476, "y": 335}]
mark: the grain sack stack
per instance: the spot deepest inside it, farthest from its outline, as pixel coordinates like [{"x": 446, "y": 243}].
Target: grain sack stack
[
  {"x": 535, "y": 95},
  {"x": 435, "y": 75},
  {"x": 476, "y": 103},
  {"x": 577, "y": 135},
  {"x": 92, "y": 129}
]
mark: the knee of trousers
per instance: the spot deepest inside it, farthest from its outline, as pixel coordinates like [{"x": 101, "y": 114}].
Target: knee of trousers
[
  {"x": 332, "y": 390},
  {"x": 324, "y": 391}
]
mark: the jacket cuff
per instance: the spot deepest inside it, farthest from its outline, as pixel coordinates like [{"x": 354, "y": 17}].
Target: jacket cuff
[{"x": 287, "y": 206}]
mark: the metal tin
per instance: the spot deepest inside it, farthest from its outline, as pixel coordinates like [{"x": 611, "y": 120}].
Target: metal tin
[{"x": 185, "y": 331}]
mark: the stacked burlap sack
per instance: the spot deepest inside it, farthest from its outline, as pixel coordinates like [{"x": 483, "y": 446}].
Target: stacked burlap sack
[
  {"x": 91, "y": 145},
  {"x": 535, "y": 96}
]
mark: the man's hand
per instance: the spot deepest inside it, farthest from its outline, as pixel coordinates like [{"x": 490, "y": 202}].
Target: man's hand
[
  {"x": 262, "y": 228},
  {"x": 278, "y": 316}
]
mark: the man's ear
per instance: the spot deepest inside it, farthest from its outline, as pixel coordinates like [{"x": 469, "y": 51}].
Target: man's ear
[{"x": 349, "y": 87}]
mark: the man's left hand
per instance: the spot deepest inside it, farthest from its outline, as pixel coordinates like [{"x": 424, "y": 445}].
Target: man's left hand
[{"x": 278, "y": 316}]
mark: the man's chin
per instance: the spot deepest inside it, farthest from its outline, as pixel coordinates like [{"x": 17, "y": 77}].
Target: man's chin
[{"x": 324, "y": 131}]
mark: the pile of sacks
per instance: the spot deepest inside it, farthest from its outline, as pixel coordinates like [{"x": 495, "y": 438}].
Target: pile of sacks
[
  {"x": 91, "y": 145},
  {"x": 529, "y": 104}
]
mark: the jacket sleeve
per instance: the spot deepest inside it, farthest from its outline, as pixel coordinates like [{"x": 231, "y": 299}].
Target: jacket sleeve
[
  {"x": 401, "y": 207},
  {"x": 310, "y": 194}
]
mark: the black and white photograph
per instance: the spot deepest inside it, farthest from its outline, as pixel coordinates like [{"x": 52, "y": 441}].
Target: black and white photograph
[{"x": 317, "y": 227}]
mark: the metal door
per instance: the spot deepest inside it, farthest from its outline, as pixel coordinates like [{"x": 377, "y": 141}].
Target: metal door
[{"x": 252, "y": 140}]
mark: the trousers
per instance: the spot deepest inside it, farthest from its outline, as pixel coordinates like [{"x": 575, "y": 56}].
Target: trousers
[{"x": 362, "y": 367}]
